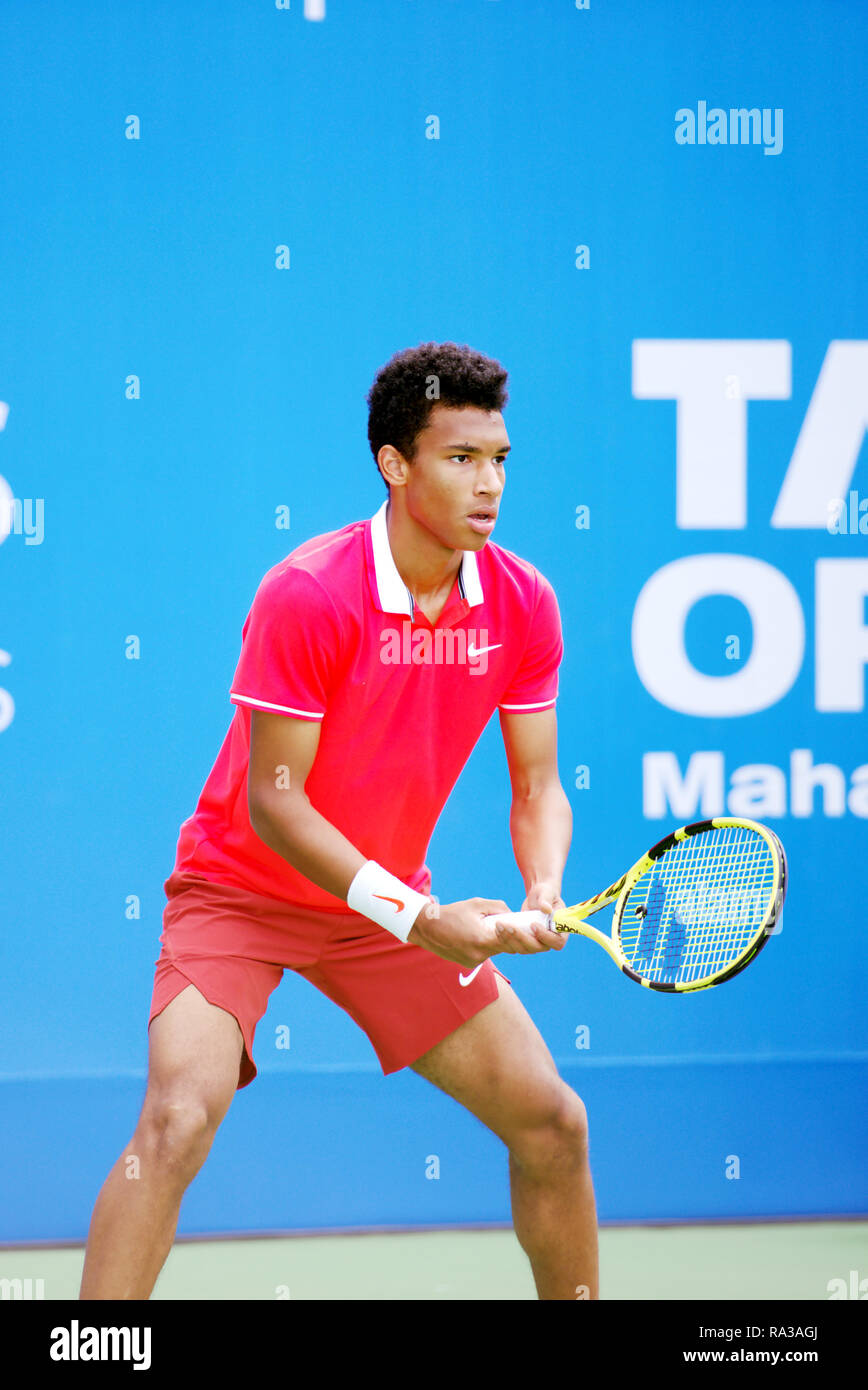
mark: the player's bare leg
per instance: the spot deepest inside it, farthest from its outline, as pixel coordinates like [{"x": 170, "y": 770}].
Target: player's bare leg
[
  {"x": 195, "y": 1050},
  {"x": 498, "y": 1066}
]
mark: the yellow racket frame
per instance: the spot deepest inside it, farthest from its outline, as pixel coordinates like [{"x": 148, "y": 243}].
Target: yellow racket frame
[{"x": 572, "y": 919}]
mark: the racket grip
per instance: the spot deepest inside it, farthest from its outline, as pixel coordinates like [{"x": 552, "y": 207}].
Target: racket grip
[{"x": 521, "y": 919}]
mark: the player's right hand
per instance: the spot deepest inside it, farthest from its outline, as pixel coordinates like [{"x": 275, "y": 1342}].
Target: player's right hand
[{"x": 458, "y": 931}]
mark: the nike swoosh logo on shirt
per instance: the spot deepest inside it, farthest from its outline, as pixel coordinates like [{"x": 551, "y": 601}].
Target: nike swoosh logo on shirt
[
  {"x": 477, "y": 651},
  {"x": 466, "y": 979},
  {"x": 399, "y": 906}
]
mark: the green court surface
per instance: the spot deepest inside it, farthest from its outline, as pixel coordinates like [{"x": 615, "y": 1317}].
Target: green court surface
[{"x": 757, "y": 1261}]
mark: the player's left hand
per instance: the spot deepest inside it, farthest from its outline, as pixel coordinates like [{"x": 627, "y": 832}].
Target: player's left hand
[{"x": 545, "y": 898}]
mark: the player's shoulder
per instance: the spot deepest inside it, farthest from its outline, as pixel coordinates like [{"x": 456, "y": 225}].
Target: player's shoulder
[
  {"x": 322, "y": 565},
  {"x": 505, "y": 568}
]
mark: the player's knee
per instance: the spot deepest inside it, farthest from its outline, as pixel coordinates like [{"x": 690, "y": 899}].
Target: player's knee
[
  {"x": 558, "y": 1141},
  {"x": 178, "y": 1131}
]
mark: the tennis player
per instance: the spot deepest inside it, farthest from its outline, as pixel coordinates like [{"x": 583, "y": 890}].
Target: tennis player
[{"x": 372, "y": 659}]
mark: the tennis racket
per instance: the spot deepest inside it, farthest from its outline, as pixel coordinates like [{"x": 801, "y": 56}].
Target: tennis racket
[{"x": 693, "y": 911}]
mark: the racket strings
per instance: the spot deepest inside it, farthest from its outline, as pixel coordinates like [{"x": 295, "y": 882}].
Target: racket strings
[{"x": 700, "y": 906}]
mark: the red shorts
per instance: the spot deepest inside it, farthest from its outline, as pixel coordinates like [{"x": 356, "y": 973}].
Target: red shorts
[{"x": 234, "y": 947}]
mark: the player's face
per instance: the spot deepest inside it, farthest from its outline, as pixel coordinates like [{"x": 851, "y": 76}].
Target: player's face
[{"x": 455, "y": 482}]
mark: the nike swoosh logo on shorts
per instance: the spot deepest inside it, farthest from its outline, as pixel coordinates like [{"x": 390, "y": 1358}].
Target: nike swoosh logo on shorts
[
  {"x": 477, "y": 651},
  {"x": 467, "y": 979},
  {"x": 399, "y": 906}
]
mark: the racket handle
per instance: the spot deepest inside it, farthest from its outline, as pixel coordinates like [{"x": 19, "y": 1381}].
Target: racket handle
[{"x": 521, "y": 919}]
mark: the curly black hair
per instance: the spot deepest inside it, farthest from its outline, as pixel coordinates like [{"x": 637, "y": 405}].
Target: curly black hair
[{"x": 414, "y": 381}]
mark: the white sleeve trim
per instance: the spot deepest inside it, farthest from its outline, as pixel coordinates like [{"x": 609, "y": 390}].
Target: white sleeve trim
[
  {"x": 541, "y": 704},
  {"x": 280, "y": 709}
]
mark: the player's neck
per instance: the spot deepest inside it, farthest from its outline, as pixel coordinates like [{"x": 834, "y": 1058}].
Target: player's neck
[{"x": 426, "y": 566}]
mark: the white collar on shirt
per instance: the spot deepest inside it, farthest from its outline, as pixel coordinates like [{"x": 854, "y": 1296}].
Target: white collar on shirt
[{"x": 393, "y": 593}]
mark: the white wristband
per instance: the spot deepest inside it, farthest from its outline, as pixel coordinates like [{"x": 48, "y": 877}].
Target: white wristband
[{"x": 385, "y": 899}]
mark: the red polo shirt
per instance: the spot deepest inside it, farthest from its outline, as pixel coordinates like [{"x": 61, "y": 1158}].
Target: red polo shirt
[{"x": 333, "y": 635}]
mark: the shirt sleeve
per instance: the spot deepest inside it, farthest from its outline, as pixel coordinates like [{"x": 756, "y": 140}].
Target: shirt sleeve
[
  {"x": 535, "y": 683},
  {"x": 289, "y": 647}
]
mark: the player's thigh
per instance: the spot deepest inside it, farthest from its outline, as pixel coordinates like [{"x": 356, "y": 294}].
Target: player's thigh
[
  {"x": 498, "y": 1065},
  {"x": 194, "y": 1054}
]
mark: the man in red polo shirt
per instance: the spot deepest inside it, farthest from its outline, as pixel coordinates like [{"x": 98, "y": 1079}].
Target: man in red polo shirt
[{"x": 372, "y": 659}]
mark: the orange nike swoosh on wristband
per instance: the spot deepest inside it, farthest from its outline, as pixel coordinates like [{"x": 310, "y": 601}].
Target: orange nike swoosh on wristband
[{"x": 399, "y": 906}]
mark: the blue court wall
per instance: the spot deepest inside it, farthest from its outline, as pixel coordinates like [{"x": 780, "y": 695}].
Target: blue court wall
[{"x": 217, "y": 223}]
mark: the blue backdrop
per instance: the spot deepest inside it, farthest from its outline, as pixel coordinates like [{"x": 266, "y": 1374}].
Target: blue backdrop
[{"x": 216, "y": 224}]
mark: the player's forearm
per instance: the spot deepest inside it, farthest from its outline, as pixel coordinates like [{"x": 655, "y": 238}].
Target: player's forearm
[
  {"x": 541, "y": 826},
  {"x": 308, "y": 842}
]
